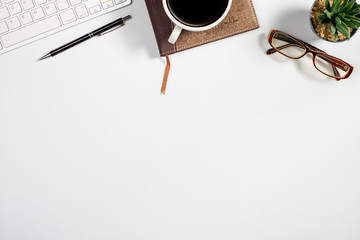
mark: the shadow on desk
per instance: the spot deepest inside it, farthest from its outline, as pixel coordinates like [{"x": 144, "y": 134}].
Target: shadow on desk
[{"x": 296, "y": 22}]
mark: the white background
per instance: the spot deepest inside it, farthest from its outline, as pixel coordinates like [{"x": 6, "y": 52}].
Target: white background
[{"x": 243, "y": 145}]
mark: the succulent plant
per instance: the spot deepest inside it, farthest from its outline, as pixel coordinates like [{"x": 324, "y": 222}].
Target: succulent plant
[{"x": 341, "y": 16}]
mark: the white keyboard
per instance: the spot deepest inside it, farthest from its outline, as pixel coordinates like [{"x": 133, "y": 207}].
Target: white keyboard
[{"x": 25, "y": 21}]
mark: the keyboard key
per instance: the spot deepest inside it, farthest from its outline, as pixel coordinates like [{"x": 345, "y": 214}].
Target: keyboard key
[
  {"x": 3, "y": 27},
  {"x": 30, "y": 31},
  {"x": 4, "y": 13},
  {"x": 40, "y": 2},
  {"x": 15, "y": 8},
  {"x": 119, "y": 1},
  {"x": 25, "y": 18},
  {"x": 95, "y": 9},
  {"x": 107, "y": 4},
  {"x": 14, "y": 23},
  {"x": 62, "y": 4},
  {"x": 7, "y": 1},
  {"x": 50, "y": 8},
  {"x": 75, "y": 2},
  {"x": 27, "y": 4},
  {"x": 67, "y": 16},
  {"x": 38, "y": 13},
  {"x": 81, "y": 11}
]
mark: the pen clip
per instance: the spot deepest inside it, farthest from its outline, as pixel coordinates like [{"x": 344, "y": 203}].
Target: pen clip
[{"x": 110, "y": 30}]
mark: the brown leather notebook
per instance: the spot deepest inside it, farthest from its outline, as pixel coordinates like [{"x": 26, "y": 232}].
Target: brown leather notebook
[{"x": 241, "y": 18}]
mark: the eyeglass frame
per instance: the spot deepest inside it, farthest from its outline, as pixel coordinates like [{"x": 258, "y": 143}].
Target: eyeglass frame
[{"x": 310, "y": 49}]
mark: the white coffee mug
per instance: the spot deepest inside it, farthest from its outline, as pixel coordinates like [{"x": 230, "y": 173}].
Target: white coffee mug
[{"x": 179, "y": 26}]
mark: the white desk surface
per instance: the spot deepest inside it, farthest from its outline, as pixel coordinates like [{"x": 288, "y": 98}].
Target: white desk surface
[{"x": 243, "y": 146}]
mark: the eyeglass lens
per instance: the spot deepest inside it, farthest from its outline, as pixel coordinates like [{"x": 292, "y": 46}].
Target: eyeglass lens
[
  {"x": 326, "y": 65},
  {"x": 287, "y": 45}
]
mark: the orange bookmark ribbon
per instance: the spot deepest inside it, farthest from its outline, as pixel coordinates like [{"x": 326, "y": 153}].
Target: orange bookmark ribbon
[{"x": 166, "y": 75}]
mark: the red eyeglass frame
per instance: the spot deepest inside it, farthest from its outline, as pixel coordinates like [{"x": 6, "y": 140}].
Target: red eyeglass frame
[{"x": 335, "y": 62}]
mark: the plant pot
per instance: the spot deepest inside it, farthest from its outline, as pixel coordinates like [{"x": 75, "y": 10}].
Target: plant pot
[{"x": 313, "y": 28}]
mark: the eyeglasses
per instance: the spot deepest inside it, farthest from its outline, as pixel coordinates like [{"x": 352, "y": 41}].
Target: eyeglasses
[{"x": 294, "y": 48}]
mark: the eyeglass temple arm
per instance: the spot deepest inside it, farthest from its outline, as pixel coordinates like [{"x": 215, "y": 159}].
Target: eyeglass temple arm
[
  {"x": 311, "y": 46},
  {"x": 336, "y": 72},
  {"x": 273, "y": 50}
]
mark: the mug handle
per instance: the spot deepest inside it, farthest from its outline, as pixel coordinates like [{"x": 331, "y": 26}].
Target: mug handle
[{"x": 175, "y": 34}]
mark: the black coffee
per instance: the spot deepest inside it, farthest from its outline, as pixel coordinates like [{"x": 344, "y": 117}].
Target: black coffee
[{"x": 197, "y": 13}]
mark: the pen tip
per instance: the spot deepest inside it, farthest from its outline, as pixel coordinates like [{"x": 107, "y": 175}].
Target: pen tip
[
  {"x": 44, "y": 57},
  {"x": 128, "y": 17}
]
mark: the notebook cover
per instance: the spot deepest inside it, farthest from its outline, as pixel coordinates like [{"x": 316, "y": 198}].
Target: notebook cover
[{"x": 241, "y": 18}]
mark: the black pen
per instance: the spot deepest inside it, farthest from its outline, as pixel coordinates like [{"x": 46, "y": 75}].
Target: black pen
[{"x": 98, "y": 32}]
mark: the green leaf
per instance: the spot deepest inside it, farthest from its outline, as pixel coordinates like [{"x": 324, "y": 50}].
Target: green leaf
[
  {"x": 335, "y": 6},
  {"x": 337, "y": 20},
  {"x": 341, "y": 27},
  {"x": 336, "y": 35},
  {"x": 341, "y": 15},
  {"x": 343, "y": 5},
  {"x": 332, "y": 28},
  {"x": 353, "y": 13},
  {"x": 329, "y": 14},
  {"x": 354, "y": 19},
  {"x": 355, "y": 7},
  {"x": 327, "y": 5},
  {"x": 321, "y": 16},
  {"x": 352, "y": 24},
  {"x": 347, "y": 6}
]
